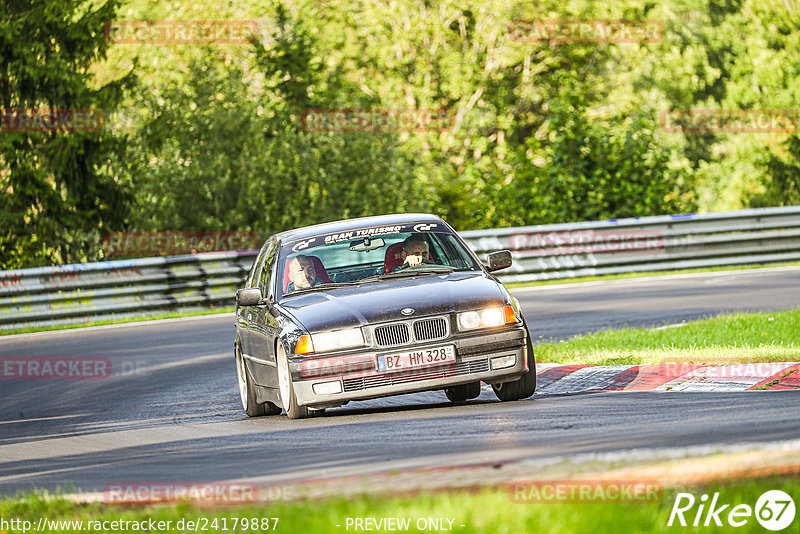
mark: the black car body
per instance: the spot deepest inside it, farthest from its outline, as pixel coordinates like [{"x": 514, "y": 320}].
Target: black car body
[{"x": 377, "y": 323}]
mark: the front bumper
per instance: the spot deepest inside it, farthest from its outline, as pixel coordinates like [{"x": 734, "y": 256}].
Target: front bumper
[{"x": 474, "y": 355}]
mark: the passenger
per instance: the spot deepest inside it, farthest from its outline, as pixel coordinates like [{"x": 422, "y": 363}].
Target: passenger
[
  {"x": 302, "y": 274},
  {"x": 415, "y": 252}
]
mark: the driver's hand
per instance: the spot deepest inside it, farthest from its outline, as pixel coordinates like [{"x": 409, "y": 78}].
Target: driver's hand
[{"x": 413, "y": 261}]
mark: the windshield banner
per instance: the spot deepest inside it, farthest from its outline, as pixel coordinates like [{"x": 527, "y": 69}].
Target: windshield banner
[{"x": 338, "y": 237}]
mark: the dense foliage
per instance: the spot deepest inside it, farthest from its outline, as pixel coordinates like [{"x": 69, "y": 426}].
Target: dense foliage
[
  {"x": 57, "y": 197},
  {"x": 211, "y": 136}
]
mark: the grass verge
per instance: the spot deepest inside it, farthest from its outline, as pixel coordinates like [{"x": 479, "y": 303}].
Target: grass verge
[
  {"x": 736, "y": 338},
  {"x": 487, "y": 510},
  {"x": 121, "y": 320}
]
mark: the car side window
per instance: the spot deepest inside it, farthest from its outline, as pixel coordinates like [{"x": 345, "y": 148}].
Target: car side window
[
  {"x": 267, "y": 270},
  {"x": 456, "y": 255},
  {"x": 255, "y": 270}
]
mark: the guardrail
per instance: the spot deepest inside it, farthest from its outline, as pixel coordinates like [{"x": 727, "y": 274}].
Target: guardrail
[
  {"x": 133, "y": 288},
  {"x": 86, "y": 292},
  {"x": 639, "y": 244}
]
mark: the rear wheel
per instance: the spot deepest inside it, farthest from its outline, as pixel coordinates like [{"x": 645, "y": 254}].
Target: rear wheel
[
  {"x": 288, "y": 398},
  {"x": 248, "y": 394},
  {"x": 525, "y": 385},
  {"x": 463, "y": 392}
]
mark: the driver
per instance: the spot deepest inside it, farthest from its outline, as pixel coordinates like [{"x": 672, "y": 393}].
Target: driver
[
  {"x": 415, "y": 252},
  {"x": 302, "y": 274}
]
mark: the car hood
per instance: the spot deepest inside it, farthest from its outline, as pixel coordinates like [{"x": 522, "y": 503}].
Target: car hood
[{"x": 382, "y": 301}]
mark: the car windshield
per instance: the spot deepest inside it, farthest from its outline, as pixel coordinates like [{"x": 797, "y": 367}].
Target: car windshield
[{"x": 366, "y": 256}]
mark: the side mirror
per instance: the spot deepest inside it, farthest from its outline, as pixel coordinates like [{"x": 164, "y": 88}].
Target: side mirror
[
  {"x": 498, "y": 260},
  {"x": 249, "y": 296}
]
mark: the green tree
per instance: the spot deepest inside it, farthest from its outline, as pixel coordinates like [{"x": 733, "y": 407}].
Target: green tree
[
  {"x": 224, "y": 147},
  {"x": 783, "y": 186},
  {"x": 542, "y": 131},
  {"x": 56, "y": 197},
  {"x": 581, "y": 168}
]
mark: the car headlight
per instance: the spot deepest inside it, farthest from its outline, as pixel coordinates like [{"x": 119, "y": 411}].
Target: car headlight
[
  {"x": 486, "y": 318},
  {"x": 337, "y": 339}
]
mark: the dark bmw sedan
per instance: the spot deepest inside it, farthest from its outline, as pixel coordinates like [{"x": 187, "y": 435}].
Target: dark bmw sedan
[{"x": 372, "y": 307}]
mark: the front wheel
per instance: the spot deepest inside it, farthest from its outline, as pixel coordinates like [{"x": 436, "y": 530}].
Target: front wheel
[
  {"x": 525, "y": 385},
  {"x": 288, "y": 398},
  {"x": 248, "y": 394}
]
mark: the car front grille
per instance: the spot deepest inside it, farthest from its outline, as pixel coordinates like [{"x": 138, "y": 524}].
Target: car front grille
[
  {"x": 392, "y": 334},
  {"x": 417, "y": 375},
  {"x": 400, "y": 333},
  {"x": 430, "y": 329}
]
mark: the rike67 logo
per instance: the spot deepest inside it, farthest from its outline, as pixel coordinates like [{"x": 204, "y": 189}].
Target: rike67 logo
[{"x": 774, "y": 510}]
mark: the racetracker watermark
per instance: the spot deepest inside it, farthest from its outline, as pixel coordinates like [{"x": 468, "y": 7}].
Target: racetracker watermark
[
  {"x": 711, "y": 368},
  {"x": 377, "y": 120},
  {"x": 730, "y": 121},
  {"x": 774, "y": 510},
  {"x": 587, "y": 242},
  {"x": 54, "y": 368},
  {"x": 50, "y": 120},
  {"x": 337, "y": 365},
  {"x": 181, "y": 31},
  {"x": 225, "y": 492},
  {"x": 586, "y": 31},
  {"x": 173, "y": 243},
  {"x": 584, "y": 491}
]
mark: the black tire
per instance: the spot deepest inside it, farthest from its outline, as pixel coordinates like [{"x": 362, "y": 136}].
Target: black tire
[
  {"x": 248, "y": 394},
  {"x": 526, "y": 385},
  {"x": 288, "y": 398},
  {"x": 463, "y": 392}
]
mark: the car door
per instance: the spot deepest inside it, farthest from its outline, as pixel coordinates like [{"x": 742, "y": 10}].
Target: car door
[
  {"x": 264, "y": 326},
  {"x": 247, "y": 315}
]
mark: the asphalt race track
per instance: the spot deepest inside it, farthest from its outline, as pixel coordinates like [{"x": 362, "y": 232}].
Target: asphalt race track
[{"x": 171, "y": 411}]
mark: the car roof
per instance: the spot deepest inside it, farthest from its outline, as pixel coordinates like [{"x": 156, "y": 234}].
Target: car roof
[{"x": 350, "y": 224}]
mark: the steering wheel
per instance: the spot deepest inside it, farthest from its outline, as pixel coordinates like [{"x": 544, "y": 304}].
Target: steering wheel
[{"x": 402, "y": 266}]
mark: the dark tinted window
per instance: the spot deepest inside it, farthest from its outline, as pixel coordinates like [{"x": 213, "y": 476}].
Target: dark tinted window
[{"x": 344, "y": 262}]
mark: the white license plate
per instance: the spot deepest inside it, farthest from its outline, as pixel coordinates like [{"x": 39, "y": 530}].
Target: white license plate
[{"x": 416, "y": 358}]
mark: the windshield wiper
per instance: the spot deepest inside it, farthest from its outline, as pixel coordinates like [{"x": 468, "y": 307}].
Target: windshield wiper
[
  {"x": 408, "y": 273},
  {"x": 326, "y": 285}
]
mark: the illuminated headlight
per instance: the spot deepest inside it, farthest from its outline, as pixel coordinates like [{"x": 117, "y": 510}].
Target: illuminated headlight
[
  {"x": 327, "y": 388},
  {"x": 493, "y": 317},
  {"x": 337, "y": 339},
  {"x": 486, "y": 318}
]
